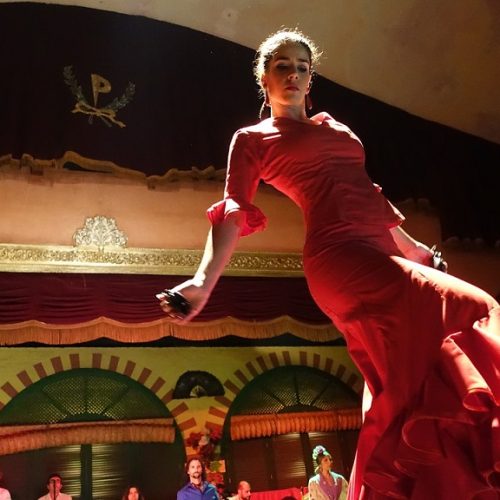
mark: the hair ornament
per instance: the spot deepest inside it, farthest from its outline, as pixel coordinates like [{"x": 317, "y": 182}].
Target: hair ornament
[{"x": 318, "y": 450}]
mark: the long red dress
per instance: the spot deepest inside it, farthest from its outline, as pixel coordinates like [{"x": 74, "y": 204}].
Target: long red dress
[{"x": 426, "y": 343}]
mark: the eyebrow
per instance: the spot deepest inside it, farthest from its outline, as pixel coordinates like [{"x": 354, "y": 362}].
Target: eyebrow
[{"x": 284, "y": 58}]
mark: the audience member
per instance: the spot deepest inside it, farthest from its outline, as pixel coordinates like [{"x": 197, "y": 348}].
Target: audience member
[
  {"x": 244, "y": 491},
  {"x": 54, "y": 485},
  {"x": 197, "y": 486},
  {"x": 133, "y": 493}
]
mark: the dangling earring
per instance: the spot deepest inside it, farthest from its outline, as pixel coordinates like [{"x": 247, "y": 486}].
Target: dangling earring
[
  {"x": 265, "y": 104},
  {"x": 262, "y": 110},
  {"x": 309, "y": 103}
]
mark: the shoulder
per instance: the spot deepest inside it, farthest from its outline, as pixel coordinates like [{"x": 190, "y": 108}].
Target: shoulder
[
  {"x": 210, "y": 492},
  {"x": 338, "y": 477},
  {"x": 314, "y": 479},
  {"x": 326, "y": 119},
  {"x": 181, "y": 494},
  {"x": 260, "y": 129}
]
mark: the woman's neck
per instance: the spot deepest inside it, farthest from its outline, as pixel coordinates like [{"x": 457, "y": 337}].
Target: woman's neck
[{"x": 297, "y": 113}]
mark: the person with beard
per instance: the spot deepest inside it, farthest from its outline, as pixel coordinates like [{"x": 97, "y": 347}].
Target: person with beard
[{"x": 197, "y": 487}]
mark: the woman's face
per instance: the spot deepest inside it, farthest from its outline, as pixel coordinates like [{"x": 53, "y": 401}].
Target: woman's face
[
  {"x": 133, "y": 494},
  {"x": 326, "y": 463},
  {"x": 288, "y": 75}
]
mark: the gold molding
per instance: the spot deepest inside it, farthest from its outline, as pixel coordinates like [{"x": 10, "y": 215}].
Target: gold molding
[{"x": 93, "y": 259}]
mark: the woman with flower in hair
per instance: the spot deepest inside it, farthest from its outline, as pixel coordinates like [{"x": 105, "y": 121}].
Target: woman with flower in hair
[
  {"x": 426, "y": 343},
  {"x": 326, "y": 484}
]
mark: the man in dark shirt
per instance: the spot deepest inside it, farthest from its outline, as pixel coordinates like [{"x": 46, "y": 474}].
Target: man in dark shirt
[{"x": 197, "y": 487}]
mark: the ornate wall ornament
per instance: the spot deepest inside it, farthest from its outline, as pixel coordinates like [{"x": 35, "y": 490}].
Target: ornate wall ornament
[
  {"x": 113, "y": 259},
  {"x": 100, "y": 231},
  {"x": 100, "y": 85},
  {"x": 101, "y": 247}
]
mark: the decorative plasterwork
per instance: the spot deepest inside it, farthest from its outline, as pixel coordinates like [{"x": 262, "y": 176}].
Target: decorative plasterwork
[
  {"x": 55, "y": 167},
  {"x": 92, "y": 259},
  {"x": 100, "y": 231},
  {"x": 100, "y": 247}
]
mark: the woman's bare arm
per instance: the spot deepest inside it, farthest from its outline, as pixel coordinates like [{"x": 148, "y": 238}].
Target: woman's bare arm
[
  {"x": 413, "y": 249},
  {"x": 221, "y": 242}
]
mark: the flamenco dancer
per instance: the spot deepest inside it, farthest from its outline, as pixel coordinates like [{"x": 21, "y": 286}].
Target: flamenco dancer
[
  {"x": 326, "y": 484},
  {"x": 426, "y": 343}
]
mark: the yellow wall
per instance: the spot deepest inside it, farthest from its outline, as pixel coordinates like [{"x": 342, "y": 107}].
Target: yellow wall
[{"x": 158, "y": 369}]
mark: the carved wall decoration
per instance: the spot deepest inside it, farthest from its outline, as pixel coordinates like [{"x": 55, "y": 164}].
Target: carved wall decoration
[
  {"x": 97, "y": 258},
  {"x": 100, "y": 231}
]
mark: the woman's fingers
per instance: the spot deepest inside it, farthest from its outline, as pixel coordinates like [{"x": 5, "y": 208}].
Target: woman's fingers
[{"x": 183, "y": 302}]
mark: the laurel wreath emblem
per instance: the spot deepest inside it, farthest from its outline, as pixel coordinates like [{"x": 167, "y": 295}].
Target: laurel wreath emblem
[{"x": 106, "y": 113}]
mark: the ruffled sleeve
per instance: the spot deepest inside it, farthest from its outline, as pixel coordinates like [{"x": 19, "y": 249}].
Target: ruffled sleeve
[{"x": 242, "y": 180}]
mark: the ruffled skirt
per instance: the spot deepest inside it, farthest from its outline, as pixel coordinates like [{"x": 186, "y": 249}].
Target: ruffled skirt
[{"x": 428, "y": 347}]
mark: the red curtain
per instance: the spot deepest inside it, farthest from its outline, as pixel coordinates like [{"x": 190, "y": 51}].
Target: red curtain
[{"x": 77, "y": 298}]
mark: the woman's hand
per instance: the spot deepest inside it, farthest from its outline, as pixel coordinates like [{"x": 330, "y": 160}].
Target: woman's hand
[
  {"x": 428, "y": 256},
  {"x": 418, "y": 252},
  {"x": 219, "y": 247},
  {"x": 196, "y": 295}
]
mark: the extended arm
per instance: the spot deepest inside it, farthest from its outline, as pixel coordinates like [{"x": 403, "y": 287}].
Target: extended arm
[
  {"x": 410, "y": 247},
  {"x": 232, "y": 217},
  {"x": 219, "y": 247}
]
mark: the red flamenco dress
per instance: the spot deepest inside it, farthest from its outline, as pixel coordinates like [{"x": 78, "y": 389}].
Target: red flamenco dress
[{"x": 426, "y": 343}]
